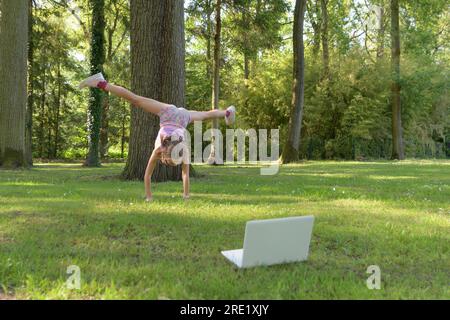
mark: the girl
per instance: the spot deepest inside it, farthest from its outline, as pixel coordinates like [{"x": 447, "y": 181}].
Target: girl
[{"x": 173, "y": 123}]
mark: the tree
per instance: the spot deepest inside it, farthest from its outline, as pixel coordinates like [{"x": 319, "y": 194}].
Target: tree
[
  {"x": 324, "y": 34},
  {"x": 117, "y": 29},
  {"x": 291, "y": 149},
  {"x": 96, "y": 96},
  {"x": 199, "y": 24},
  {"x": 255, "y": 27},
  {"x": 381, "y": 30},
  {"x": 216, "y": 78},
  {"x": 397, "y": 140},
  {"x": 30, "y": 100},
  {"x": 313, "y": 11},
  {"x": 13, "y": 86},
  {"x": 157, "y": 68}
]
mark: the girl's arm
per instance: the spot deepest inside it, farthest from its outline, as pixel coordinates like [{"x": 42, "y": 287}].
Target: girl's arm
[
  {"x": 185, "y": 175},
  {"x": 148, "y": 174}
]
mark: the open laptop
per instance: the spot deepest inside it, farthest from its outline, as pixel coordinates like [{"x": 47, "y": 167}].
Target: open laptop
[{"x": 273, "y": 241}]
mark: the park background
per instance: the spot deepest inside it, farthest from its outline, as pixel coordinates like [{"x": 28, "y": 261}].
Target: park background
[{"x": 367, "y": 83}]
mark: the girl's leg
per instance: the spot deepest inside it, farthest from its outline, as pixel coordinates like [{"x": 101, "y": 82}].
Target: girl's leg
[
  {"x": 148, "y": 105},
  {"x": 207, "y": 115}
]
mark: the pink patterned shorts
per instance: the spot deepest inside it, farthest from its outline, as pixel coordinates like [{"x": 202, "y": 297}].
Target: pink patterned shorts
[
  {"x": 173, "y": 122},
  {"x": 178, "y": 117}
]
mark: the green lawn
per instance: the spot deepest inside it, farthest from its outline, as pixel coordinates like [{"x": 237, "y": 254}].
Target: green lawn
[{"x": 392, "y": 214}]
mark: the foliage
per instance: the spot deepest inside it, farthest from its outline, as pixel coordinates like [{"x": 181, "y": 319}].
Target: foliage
[{"x": 345, "y": 117}]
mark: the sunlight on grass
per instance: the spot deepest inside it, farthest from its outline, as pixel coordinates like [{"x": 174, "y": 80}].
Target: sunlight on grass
[
  {"x": 374, "y": 177},
  {"x": 25, "y": 183}
]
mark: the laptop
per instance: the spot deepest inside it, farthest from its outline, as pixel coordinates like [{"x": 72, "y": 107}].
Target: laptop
[{"x": 274, "y": 241}]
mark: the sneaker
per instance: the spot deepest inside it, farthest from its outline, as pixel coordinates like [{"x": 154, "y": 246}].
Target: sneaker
[
  {"x": 92, "y": 81},
  {"x": 230, "y": 116}
]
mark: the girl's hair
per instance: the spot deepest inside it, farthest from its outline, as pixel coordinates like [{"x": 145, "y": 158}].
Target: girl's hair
[{"x": 167, "y": 147}]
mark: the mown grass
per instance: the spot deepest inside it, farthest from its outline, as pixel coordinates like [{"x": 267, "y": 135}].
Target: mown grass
[{"x": 391, "y": 214}]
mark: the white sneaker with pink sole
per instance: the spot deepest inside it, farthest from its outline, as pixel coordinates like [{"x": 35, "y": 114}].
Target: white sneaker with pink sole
[
  {"x": 230, "y": 117},
  {"x": 92, "y": 81}
]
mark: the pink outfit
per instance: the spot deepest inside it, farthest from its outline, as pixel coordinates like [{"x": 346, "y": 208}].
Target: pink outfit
[{"x": 173, "y": 122}]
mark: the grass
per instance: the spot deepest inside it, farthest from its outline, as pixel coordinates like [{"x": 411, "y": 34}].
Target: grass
[{"x": 391, "y": 214}]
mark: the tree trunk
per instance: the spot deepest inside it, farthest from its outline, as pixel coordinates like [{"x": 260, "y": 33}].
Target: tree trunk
[
  {"x": 104, "y": 130},
  {"x": 315, "y": 24},
  {"x": 95, "y": 101},
  {"x": 42, "y": 111},
  {"x": 58, "y": 110},
  {"x": 381, "y": 32},
  {"x": 246, "y": 67},
  {"x": 209, "y": 11},
  {"x": 291, "y": 149},
  {"x": 30, "y": 101},
  {"x": 246, "y": 23},
  {"x": 13, "y": 87},
  {"x": 122, "y": 139},
  {"x": 216, "y": 78},
  {"x": 324, "y": 34},
  {"x": 104, "y": 139},
  {"x": 158, "y": 72},
  {"x": 397, "y": 140}
]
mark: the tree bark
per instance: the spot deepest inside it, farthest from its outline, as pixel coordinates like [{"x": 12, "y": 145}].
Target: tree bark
[
  {"x": 13, "y": 82},
  {"x": 30, "y": 101},
  {"x": 292, "y": 146},
  {"x": 96, "y": 96},
  {"x": 216, "y": 78},
  {"x": 397, "y": 140},
  {"x": 158, "y": 72}
]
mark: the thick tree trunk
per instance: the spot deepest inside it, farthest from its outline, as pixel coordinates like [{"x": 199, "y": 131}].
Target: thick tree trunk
[
  {"x": 397, "y": 140},
  {"x": 95, "y": 101},
  {"x": 216, "y": 77},
  {"x": 30, "y": 101},
  {"x": 292, "y": 146},
  {"x": 13, "y": 82},
  {"x": 324, "y": 34},
  {"x": 158, "y": 72}
]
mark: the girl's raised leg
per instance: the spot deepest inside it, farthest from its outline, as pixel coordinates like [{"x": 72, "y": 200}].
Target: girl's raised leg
[
  {"x": 207, "y": 115},
  {"x": 228, "y": 114},
  {"x": 147, "y": 104}
]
